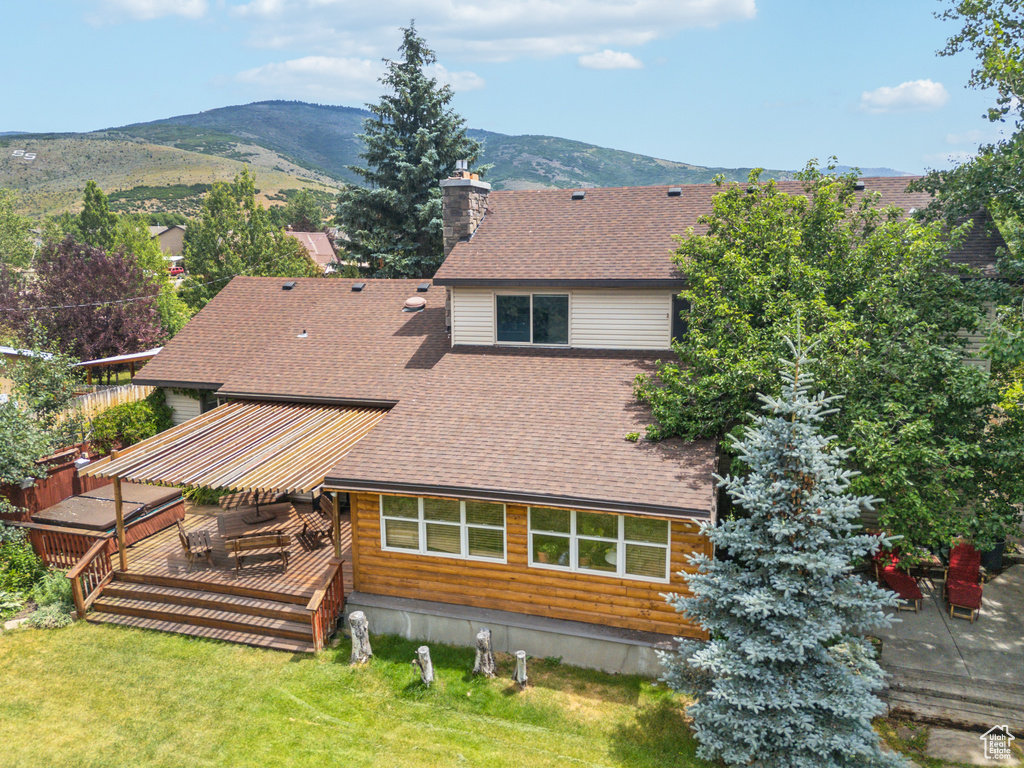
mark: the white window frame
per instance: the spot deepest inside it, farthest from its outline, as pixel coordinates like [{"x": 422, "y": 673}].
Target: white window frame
[
  {"x": 463, "y": 532},
  {"x": 531, "y": 294},
  {"x": 621, "y": 541}
]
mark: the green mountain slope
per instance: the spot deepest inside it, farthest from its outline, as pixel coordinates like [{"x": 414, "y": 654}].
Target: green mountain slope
[{"x": 291, "y": 145}]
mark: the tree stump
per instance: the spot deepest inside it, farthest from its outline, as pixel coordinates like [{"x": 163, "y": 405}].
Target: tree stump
[
  {"x": 484, "y": 654},
  {"x": 519, "y": 675},
  {"x": 422, "y": 661},
  {"x": 360, "y": 627}
]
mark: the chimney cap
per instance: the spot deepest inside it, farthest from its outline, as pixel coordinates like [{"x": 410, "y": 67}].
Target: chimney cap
[{"x": 462, "y": 165}]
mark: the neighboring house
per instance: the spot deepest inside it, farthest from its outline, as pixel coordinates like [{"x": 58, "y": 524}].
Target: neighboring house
[
  {"x": 501, "y": 481},
  {"x": 319, "y": 247},
  {"x": 171, "y": 239}
]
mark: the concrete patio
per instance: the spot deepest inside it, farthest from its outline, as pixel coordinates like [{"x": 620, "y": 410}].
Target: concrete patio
[
  {"x": 990, "y": 649},
  {"x": 950, "y": 670}
]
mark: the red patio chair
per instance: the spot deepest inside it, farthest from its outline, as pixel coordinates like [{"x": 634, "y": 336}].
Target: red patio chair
[
  {"x": 899, "y": 581},
  {"x": 963, "y": 577}
]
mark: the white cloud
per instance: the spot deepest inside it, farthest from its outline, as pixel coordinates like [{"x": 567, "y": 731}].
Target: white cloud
[
  {"x": 609, "y": 59},
  {"x": 912, "y": 96},
  {"x": 459, "y": 81},
  {"x": 316, "y": 78},
  {"x": 970, "y": 137},
  {"x": 146, "y": 10},
  {"x": 482, "y": 30}
]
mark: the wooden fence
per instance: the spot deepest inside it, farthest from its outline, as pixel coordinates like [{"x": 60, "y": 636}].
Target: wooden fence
[
  {"x": 62, "y": 481},
  {"x": 94, "y": 403}
]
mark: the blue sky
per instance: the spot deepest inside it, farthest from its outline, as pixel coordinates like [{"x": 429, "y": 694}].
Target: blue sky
[{"x": 728, "y": 83}]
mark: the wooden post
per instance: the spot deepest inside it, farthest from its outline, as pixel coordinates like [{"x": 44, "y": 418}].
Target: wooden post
[
  {"x": 520, "y": 672},
  {"x": 360, "y": 627},
  {"x": 422, "y": 661},
  {"x": 484, "y": 654},
  {"x": 336, "y": 524},
  {"x": 88, "y": 376},
  {"x": 122, "y": 547}
]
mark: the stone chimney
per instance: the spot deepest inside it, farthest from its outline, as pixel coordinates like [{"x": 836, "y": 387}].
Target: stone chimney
[{"x": 463, "y": 204}]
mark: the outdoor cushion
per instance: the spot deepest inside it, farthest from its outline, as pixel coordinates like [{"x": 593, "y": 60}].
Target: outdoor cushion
[{"x": 964, "y": 595}]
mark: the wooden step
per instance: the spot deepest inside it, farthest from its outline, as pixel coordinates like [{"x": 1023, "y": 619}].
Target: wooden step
[
  {"x": 272, "y": 609},
  {"x": 205, "y": 617},
  {"x": 202, "y": 586},
  {"x": 192, "y": 630}
]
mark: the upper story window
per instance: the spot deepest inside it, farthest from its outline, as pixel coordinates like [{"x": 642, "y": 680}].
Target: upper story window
[
  {"x": 593, "y": 542},
  {"x": 537, "y": 318},
  {"x": 446, "y": 527}
]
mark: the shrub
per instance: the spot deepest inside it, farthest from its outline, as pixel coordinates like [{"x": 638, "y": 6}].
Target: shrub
[
  {"x": 19, "y": 565},
  {"x": 53, "y": 588},
  {"x": 52, "y": 616},
  {"x": 203, "y": 496},
  {"x": 10, "y": 603},
  {"x": 128, "y": 423}
]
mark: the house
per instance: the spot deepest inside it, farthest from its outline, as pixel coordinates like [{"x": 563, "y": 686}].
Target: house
[
  {"x": 319, "y": 247},
  {"x": 170, "y": 239},
  {"x": 480, "y": 428}
]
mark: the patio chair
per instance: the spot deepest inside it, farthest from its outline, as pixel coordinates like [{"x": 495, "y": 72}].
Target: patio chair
[
  {"x": 196, "y": 544},
  {"x": 313, "y": 522},
  {"x": 899, "y": 581},
  {"x": 963, "y": 582}
]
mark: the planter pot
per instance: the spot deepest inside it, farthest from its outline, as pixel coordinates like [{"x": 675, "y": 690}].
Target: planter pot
[
  {"x": 584, "y": 562},
  {"x": 992, "y": 560},
  {"x": 542, "y": 557}
]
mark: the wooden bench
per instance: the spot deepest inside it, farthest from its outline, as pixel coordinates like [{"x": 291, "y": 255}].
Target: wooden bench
[{"x": 265, "y": 543}]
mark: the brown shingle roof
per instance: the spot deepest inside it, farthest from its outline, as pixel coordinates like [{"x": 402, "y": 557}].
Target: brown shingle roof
[
  {"x": 614, "y": 235},
  {"x": 534, "y": 426},
  {"x": 359, "y": 347},
  {"x": 318, "y": 245}
]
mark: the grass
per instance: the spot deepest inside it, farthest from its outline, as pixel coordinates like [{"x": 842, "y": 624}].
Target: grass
[{"x": 110, "y": 696}]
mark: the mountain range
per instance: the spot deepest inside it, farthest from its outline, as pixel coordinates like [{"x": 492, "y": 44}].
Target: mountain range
[{"x": 167, "y": 164}]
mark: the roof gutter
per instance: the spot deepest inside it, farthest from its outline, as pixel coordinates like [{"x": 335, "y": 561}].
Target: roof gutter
[
  {"x": 474, "y": 282},
  {"x": 313, "y": 400},
  {"x": 511, "y": 497}
]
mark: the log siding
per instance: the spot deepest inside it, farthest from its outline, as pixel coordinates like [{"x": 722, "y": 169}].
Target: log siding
[{"x": 516, "y": 586}]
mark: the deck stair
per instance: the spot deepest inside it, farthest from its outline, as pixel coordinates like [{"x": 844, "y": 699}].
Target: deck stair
[
  {"x": 955, "y": 700},
  {"x": 221, "y": 612}
]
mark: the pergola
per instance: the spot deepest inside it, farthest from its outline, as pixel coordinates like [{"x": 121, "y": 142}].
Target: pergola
[
  {"x": 105, "y": 362},
  {"x": 255, "y": 446}
]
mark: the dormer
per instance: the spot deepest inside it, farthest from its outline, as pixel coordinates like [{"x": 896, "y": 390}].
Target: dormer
[{"x": 560, "y": 268}]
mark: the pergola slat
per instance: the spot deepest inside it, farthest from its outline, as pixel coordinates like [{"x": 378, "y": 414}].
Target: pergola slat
[{"x": 246, "y": 445}]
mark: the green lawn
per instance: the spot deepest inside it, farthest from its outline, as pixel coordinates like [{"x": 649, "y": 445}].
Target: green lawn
[{"x": 110, "y": 696}]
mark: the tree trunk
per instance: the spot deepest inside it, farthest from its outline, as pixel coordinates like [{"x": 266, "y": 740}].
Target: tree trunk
[
  {"x": 520, "y": 673},
  {"x": 360, "y": 627},
  {"x": 422, "y": 661},
  {"x": 484, "y": 654}
]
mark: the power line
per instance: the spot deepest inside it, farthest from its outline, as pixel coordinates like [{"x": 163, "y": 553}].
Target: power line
[{"x": 157, "y": 295}]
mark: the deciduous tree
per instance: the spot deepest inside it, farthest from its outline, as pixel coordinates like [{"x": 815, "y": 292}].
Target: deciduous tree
[
  {"x": 234, "y": 236},
  {"x": 884, "y": 304},
  {"x": 16, "y": 246},
  {"x": 413, "y": 141},
  {"x": 94, "y": 303},
  {"x": 96, "y": 223}
]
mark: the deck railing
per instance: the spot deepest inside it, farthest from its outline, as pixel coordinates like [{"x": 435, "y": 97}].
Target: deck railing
[
  {"x": 325, "y": 604},
  {"x": 60, "y": 547},
  {"x": 90, "y": 575}
]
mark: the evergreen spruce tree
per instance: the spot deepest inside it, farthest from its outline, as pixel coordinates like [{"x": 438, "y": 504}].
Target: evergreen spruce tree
[
  {"x": 413, "y": 141},
  {"x": 786, "y": 680}
]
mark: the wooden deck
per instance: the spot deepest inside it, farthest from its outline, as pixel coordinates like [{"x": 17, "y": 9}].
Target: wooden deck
[{"x": 160, "y": 557}]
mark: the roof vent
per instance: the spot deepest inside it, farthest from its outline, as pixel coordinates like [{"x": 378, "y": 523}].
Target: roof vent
[
  {"x": 288, "y": 286},
  {"x": 357, "y": 287},
  {"x": 858, "y": 185},
  {"x": 675, "y": 191},
  {"x": 579, "y": 195},
  {"x": 303, "y": 335},
  {"x": 415, "y": 304},
  {"x": 912, "y": 211},
  {"x": 422, "y": 287}
]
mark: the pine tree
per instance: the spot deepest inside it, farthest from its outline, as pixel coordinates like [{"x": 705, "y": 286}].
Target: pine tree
[
  {"x": 413, "y": 142},
  {"x": 96, "y": 222},
  {"x": 786, "y": 680}
]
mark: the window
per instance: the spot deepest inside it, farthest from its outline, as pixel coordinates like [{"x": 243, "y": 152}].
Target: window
[
  {"x": 443, "y": 527},
  {"x": 593, "y": 542},
  {"x": 532, "y": 318}
]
